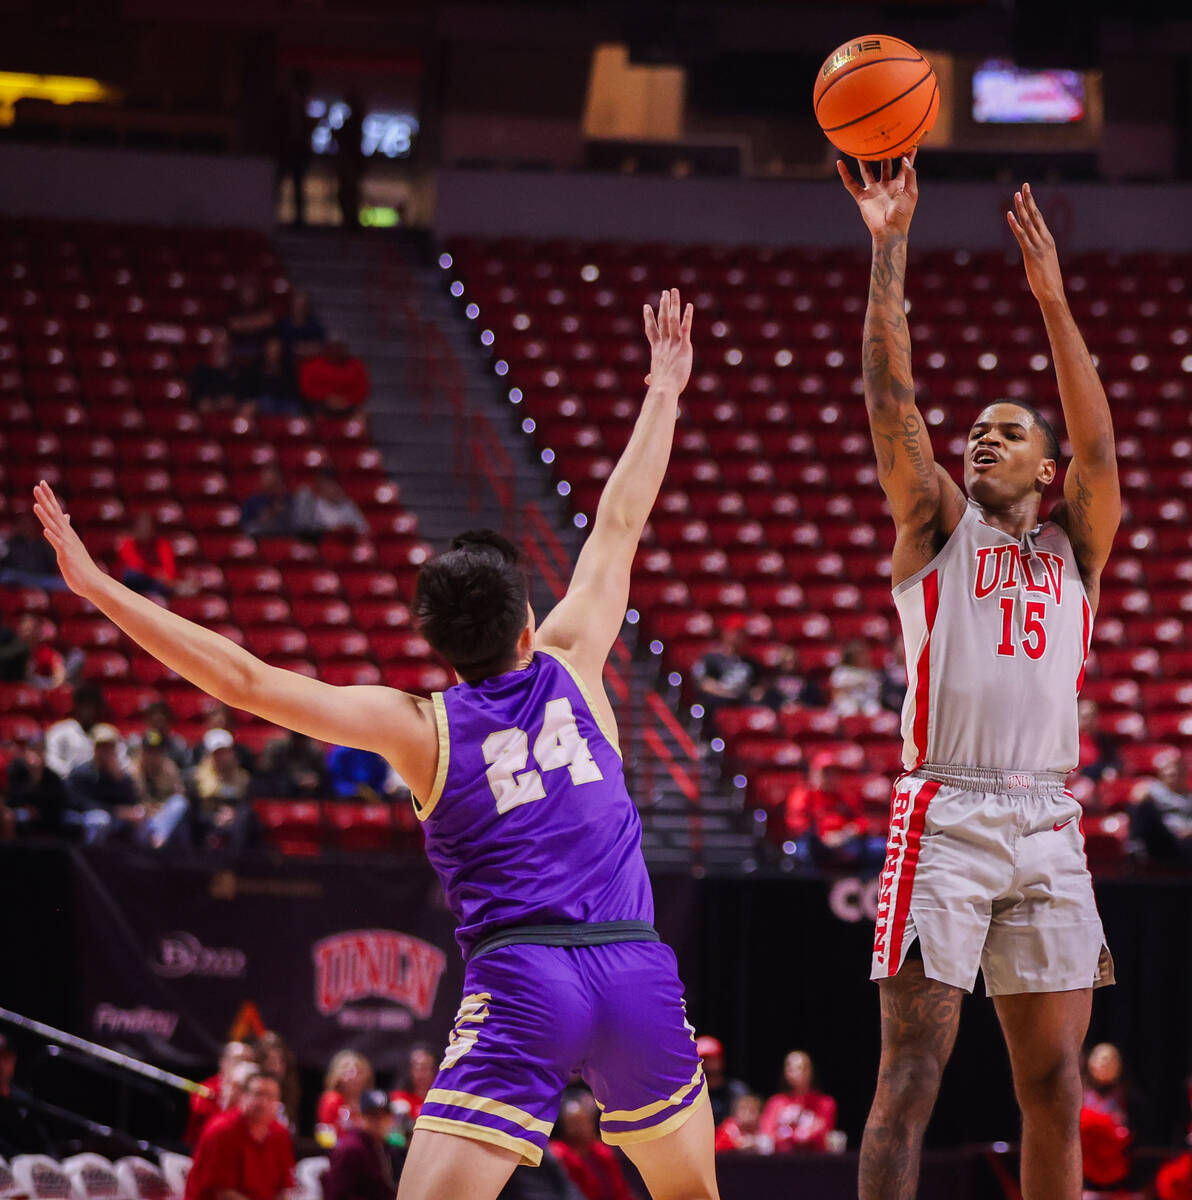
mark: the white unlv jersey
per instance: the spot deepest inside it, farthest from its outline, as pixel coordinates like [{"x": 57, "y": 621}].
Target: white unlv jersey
[{"x": 996, "y": 633}]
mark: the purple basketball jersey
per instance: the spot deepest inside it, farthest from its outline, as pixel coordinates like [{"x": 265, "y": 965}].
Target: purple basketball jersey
[{"x": 529, "y": 822}]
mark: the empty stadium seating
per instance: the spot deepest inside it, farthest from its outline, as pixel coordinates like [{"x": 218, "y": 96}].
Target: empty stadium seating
[
  {"x": 770, "y": 507},
  {"x": 99, "y": 326}
]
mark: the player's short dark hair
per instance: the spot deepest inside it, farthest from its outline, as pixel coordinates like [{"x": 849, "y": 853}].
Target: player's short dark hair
[
  {"x": 1051, "y": 441},
  {"x": 470, "y": 603}
]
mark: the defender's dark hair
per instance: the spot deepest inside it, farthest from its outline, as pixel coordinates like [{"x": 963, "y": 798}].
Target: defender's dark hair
[
  {"x": 1051, "y": 442},
  {"x": 470, "y": 603}
]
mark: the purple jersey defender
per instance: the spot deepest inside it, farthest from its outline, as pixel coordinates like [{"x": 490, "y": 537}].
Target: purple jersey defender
[{"x": 533, "y": 834}]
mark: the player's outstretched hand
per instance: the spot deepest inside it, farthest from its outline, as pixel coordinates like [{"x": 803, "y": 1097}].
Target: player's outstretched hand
[
  {"x": 887, "y": 203},
  {"x": 1039, "y": 254},
  {"x": 669, "y": 336},
  {"x": 77, "y": 566}
]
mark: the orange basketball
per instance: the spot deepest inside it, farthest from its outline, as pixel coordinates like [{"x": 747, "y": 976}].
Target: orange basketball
[{"x": 876, "y": 97}]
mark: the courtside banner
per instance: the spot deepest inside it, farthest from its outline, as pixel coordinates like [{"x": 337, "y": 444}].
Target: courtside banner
[{"x": 174, "y": 958}]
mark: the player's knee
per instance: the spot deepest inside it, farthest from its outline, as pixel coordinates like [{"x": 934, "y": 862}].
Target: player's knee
[
  {"x": 910, "y": 1080},
  {"x": 1051, "y": 1086}
]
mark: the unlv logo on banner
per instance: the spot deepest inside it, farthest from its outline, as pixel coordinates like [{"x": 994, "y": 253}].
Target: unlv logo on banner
[{"x": 378, "y": 964}]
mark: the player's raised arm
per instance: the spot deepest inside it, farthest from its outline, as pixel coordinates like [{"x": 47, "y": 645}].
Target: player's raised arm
[
  {"x": 392, "y": 723},
  {"x": 1092, "y": 506},
  {"x": 923, "y": 499},
  {"x": 586, "y": 622}
]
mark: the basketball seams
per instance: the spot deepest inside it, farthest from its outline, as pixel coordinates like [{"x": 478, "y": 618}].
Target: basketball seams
[
  {"x": 890, "y": 151},
  {"x": 893, "y": 100},
  {"x": 872, "y": 62}
]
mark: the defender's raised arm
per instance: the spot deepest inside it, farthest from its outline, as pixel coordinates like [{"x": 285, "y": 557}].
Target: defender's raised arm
[
  {"x": 586, "y": 622},
  {"x": 1092, "y": 507},
  {"x": 392, "y": 723},
  {"x": 923, "y": 499}
]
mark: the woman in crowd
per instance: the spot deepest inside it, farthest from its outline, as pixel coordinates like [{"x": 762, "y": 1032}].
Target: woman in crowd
[{"x": 348, "y": 1077}]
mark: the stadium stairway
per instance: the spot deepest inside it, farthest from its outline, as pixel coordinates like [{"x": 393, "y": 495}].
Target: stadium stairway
[{"x": 389, "y": 300}]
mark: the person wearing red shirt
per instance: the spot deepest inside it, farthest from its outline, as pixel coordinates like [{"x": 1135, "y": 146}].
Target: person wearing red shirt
[
  {"x": 334, "y": 381},
  {"x": 203, "y": 1108},
  {"x": 147, "y": 560},
  {"x": 1174, "y": 1180},
  {"x": 799, "y": 1118},
  {"x": 591, "y": 1165},
  {"x": 245, "y": 1153},
  {"x": 742, "y": 1131},
  {"x": 420, "y": 1078},
  {"x": 348, "y": 1077}
]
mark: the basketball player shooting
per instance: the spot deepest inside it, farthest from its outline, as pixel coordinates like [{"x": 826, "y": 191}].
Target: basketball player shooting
[
  {"x": 528, "y": 825},
  {"x": 985, "y": 862}
]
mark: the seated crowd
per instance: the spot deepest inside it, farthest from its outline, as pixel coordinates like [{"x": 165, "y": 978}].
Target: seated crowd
[
  {"x": 81, "y": 779},
  {"x": 834, "y": 815}
]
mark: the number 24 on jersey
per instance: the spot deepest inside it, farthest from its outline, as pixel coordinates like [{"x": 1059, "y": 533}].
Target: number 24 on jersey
[{"x": 507, "y": 753}]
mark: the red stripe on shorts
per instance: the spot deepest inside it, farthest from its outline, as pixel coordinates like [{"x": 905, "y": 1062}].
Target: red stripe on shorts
[
  {"x": 910, "y": 862},
  {"x": 931, "y": 603}
]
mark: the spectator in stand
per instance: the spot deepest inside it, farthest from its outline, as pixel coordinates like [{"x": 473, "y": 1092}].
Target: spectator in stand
[
  {"x": 215, "y": 384},
  {"x": 20, "y": 1133},
  {"x": 222, "y": 786},
  {"x": 785, "y": 685},
  {"x": 829, "y": 824},
  {"x": 349, "y": 160},
  {"x": 301, "y": 332},
  {"x": 348, "y": 1077},
  {"x": 893, "y": 689},
  {"x": 248, "y": 324},
  {"x": 14, "y": 655},
  {"x": 293, "y": 766},
  {"x": 723, "y": 675},
  {"x": 147, "y": 559},
  {"x": 294, "y": 126},
  {"x": 220, "y": 716},
  {"x": 162, "y": 793},
  {"x": 101, "y": 794},
  {"x": 27, "y": 559},
  {"x": 742, "y": 1130},
  {"x": 68, "y": 742},
  {"x": 591, "y": 1165},
  {"x": 270, "y": 509},
  {"x": 359, "y": 774},
  {"x": 36, "y": 796},
  {"x": 274, "y": 1057},
  {"x": 799, "y": 1118},
  {"x": 1174, "y": 1180},
  {"x": 326, "y": 508},
  {"x": 203, "y": 1108},
  {"x": 270, "y": 384},
  {"x": 1105, "y": 1135},
  {"x": 245, "y": 1153},
  {"x": 363, "y": 1166},
  {"x": 421, "y": 1069},
  {"x": 1099, "y": 754},
  {"x": 855, "y": 683},
  {"x": 26, "y": 656},
  {"x": 722, "y": 1091},
  {"x": 159, "y": 719},
  {"x": 547, "y": 1181},
  {"x": 1161, "y": 811},
  {"x": 333, "y": 382}
]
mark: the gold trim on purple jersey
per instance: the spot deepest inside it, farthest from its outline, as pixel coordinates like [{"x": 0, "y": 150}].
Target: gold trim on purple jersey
[
  {"x": 610, "y": 735},
  {"x": 422, "y": 811}
]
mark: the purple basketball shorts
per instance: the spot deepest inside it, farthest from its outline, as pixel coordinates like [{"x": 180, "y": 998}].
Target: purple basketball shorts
[{"x": 533, "y": 1017}]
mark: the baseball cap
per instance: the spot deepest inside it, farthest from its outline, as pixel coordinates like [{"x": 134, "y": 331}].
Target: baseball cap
[
  {"x": 374, "y": 1101},
  {"x": 709, "y": 1047},
  {"x": 217, "y": 739},
  {"x": 104, "y": 733}
]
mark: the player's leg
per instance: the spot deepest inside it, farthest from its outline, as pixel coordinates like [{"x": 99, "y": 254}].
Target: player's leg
[
  {"x": 920, "y": 1017},
  {"x": 680, "y": 1165},
  {"x": 441, "y": 1164},
  {"x": 1044, "y": 1032}
]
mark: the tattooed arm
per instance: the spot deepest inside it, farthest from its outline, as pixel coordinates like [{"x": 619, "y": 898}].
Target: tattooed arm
[
  {"x": 1092, "y": 506},
  {"x": 924, "y": 501}
]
